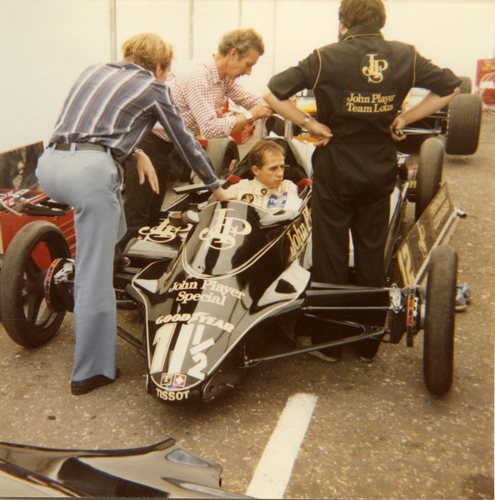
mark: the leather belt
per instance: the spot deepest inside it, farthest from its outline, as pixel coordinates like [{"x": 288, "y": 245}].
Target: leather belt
[{"x": 81, "y": 146}]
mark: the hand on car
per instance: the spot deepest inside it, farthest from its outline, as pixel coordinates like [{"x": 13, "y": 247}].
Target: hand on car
[
  {"x": 146, "y": 170},
  {"x": 396, "y": 129}
]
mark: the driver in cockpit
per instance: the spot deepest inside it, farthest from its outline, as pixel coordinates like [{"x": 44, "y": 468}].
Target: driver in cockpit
[{"x": 268, "y": 189}]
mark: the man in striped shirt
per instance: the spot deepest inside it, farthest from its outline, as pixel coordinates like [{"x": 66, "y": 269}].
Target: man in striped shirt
[
  {"x": 107, "y": 112},
  {"x": 200, "y": 95}
]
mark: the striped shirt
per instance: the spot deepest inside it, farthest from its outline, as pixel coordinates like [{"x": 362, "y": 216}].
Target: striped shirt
[
  {"x": 116, "y": 104},
  {"x": 200, "y": 95}
]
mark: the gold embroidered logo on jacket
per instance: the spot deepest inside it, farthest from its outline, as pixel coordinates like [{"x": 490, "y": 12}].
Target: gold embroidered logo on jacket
[{"x": 374, "y": 70}]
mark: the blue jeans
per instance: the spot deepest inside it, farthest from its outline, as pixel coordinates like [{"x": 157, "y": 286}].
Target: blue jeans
[{"x": 90, "y": 182}]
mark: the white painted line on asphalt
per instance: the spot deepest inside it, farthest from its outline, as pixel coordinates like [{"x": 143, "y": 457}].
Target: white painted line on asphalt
[{"x": 275, "y": 466}]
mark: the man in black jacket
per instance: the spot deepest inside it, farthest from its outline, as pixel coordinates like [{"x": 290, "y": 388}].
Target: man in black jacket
[{"x": 359, "y": 84}]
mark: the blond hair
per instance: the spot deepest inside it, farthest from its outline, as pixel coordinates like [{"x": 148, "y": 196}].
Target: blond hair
[
  {"x": 242, "y": 40},
  {"x": 148, "y": 50}
]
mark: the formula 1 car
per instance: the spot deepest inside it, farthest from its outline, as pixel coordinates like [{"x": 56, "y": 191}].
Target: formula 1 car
[
  {"x": 162, "y": 470},
  {"x": 214, "y": 278}
]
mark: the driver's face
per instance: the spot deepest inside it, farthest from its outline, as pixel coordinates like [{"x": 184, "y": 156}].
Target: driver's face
[{"x": 271, "y": 173}]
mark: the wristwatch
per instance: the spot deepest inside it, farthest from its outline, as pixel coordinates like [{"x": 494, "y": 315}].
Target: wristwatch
[{"x": 248, "y": 115}]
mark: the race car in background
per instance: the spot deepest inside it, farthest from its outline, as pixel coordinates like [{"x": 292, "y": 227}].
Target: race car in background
[{"x": 458, "y": 124}]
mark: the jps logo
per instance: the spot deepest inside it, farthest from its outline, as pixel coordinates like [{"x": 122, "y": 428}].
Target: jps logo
[
  {"x": 221, "y": 235},
  {"x": 163, "y": 233},
  {"x": 374, "y": 70}
]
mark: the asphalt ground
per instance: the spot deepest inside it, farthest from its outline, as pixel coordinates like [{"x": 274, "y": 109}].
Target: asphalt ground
[{"x": 374, "y": 430}]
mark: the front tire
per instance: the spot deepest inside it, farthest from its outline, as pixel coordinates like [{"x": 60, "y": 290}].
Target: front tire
[
  {"x": 429, "y": 175},
  {"x": 26, "y": 317},
  {"x": 438, "y": 350}
]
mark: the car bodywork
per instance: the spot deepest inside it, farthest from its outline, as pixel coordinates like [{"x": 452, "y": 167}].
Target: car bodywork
[{"x": 162, "y": 470}]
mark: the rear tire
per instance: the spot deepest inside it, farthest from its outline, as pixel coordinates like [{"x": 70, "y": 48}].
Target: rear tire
[
  {"x": 25, "y": 314},
  {"x": 463, "y": 124},
  {"x": 438, "y": 350},
  {"x": 429, "y": 174},
  {"x": 466, "y": 86}
]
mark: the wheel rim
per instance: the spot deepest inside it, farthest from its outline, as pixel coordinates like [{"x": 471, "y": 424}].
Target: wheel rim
[
  {"x": 36, "y": 310},
  {"x": 26, "y": 315}
]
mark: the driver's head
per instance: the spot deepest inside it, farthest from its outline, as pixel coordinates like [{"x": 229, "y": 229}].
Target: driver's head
[{"x": 267, "y": 162}]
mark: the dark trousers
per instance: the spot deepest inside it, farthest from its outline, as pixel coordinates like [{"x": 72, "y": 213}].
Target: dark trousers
[
  {"x": 367, "y": 222},
  {"x": 141, "y": 205},
  {"x": 331, "y": 224}
]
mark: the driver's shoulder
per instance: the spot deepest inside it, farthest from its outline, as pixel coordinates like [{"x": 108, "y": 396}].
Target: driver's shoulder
[{"x": 288, "y": 185}]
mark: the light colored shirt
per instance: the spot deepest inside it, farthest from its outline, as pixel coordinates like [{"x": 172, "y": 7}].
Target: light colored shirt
[
  {"x": 255, "y": 193},
  {"x": 200, "y": 96},
  {"x": 116, "y": 104}
]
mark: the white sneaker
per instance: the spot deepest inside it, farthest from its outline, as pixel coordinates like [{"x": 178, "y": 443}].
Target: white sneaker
[
  {"x": 462, "y": 297},
  {"x": 306, "y": 341},
  {"x": 366, "y": 360},
  {"x": 324, "y": 357}
]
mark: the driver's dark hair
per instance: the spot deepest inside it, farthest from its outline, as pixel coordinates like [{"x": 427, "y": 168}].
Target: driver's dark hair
[
  {"x": 355, "y": 12},
  {"x": 256, "y": 153}
]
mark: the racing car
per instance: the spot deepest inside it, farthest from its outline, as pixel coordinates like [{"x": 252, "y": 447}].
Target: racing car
[{"x": 216, "y": 278}]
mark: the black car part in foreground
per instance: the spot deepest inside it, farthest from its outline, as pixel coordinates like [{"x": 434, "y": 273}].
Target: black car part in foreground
[{"x": 162, "y": 470}]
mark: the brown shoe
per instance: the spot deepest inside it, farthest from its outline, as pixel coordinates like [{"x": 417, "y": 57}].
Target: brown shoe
[{"x": 89, "y": 384}]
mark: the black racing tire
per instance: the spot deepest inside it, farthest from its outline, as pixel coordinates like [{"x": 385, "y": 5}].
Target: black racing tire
[
  {"x": 25, "y": 314},
  {"x": 221, "y": 152},
  {"x": 429, "y": 173},
  {"x": 463, "y": 124},
  {"x": 466, "y": 86},
  {"x": 438, "y": 347}
]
